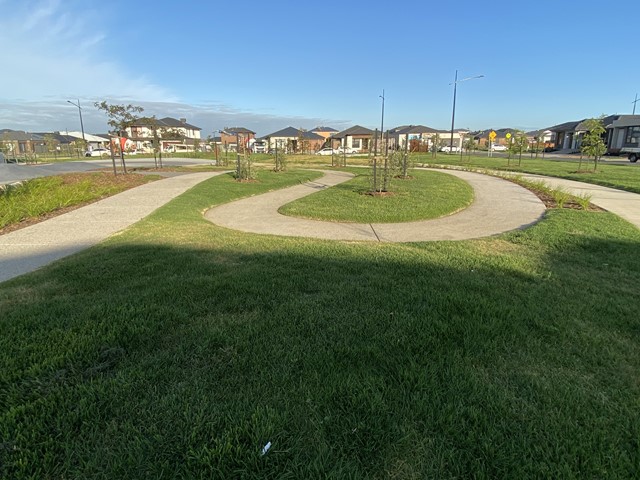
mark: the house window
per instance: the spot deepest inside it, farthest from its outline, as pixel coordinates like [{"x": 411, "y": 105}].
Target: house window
[
  {"x": 356, "y": 143},
  {"x": 633, "y": 135}
]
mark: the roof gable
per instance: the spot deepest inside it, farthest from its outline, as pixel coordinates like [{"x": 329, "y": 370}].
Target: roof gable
[
  {"x": 291, "y": 132},
  {"x": 355, "y": 130},
  {"x": 234, "y": 130},
  {"x": 175, "y": 123}
]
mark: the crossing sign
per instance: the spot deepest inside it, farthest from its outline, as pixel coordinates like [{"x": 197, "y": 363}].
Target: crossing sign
[{"x": 492, "y": 135}]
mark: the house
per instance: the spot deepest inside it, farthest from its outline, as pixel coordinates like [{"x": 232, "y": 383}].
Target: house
[
  {"x": 545, "y": 138},
  {"x": 623, "y": 132},
  {"x": 324, "y": 132},
  {"x": 417, "y": 137},
  {"x": 230, "y": 137},
  {"x": 357, "y": 137},
  {"x": 17, "y": 142},
  {"x": 169, "y": 132},
  {"x": 295, "y": 140},
  {"x": 93, "y": 141},
  {"x": 564, "y": 134},
  {"x": 569, "y": 135}
]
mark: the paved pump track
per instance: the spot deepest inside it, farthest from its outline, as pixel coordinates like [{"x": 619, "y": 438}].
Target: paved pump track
[{"x": 499, "y": 206}]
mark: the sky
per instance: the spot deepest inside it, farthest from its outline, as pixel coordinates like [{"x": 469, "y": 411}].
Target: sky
[{"x": 266, "y": 65}]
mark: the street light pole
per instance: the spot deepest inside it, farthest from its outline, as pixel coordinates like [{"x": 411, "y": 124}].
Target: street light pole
[
  {"x": 80, "y": 112},
  {"x": 453, "y": 114},
  {"x": 382, "y": 121},
  {"x": 634, "y": 104}
]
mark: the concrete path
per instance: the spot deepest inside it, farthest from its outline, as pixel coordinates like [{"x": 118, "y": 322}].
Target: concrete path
[
  {"x": 499, "y": 206},
  {"x": 32, "y": 247},
  {"x": 623, "y": 204}
]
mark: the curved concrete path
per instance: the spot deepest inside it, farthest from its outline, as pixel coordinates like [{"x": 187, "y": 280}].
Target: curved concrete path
[
  {"x": 32, "y": 247},
  {"x": 499, "y": 206}
]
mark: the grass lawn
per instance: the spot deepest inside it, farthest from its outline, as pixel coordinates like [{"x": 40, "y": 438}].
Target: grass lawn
[
  {"x": 35, "y": 199},
  {"x": 624, "y": 177},
  {"x": 178, "y": 349},
  {"x": 425, "y": 195}
]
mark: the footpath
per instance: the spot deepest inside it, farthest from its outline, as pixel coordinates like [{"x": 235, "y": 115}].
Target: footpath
[
  {"x": 499, "y": 206},
  {"x": 32, "y": 247}
]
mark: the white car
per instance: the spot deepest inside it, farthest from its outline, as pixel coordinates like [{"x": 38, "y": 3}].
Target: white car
[
  {"x": 97, "y": 152},
  {"x": 326, "y": 151},
  {"x": 499, "y": 148},
  {"x": 450, "y": 149},
  {"x": 347, "y": 150}
]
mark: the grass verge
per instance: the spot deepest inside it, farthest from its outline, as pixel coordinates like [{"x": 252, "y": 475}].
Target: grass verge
[
  {"x": 35, "y": 200},
  {"x": 623, "y": 177},
  {"x": 425, "y": 195},
  {"x": 178, "y": 349}
]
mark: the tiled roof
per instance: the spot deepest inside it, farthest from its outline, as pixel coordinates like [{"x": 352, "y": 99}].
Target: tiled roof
[
  {"x": 291, "y": 132},
  {"x": 355, "y": 130}
]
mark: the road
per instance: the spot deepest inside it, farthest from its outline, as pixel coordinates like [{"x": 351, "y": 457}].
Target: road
[{"x": 11, "y": 173}]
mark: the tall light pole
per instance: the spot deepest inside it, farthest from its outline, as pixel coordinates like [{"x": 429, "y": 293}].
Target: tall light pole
[
  {"x": 634, "y": 104},
  {"x": 382, "y": 121},
  {"x": 80, "y": 112},
  {"x": 453, "y": 115}
]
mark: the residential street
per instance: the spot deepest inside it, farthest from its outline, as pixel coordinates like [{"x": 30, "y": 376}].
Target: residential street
[{"x": 10, "y": 172}]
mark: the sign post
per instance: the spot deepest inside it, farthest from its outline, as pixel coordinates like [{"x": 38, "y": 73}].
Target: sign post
[{"x": 492, "y": 137}]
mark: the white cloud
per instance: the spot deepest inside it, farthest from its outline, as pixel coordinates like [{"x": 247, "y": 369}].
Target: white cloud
[
  {"x": 52, "y": 51},
  {"x": 57, "y": 115},
  {"x": 50, "y": 48}
]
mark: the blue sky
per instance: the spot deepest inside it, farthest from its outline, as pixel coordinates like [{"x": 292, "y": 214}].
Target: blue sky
[{"x": 267, "y": 65}]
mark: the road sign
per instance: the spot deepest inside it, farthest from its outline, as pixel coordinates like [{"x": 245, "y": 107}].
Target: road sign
[
  {"x": 508, "y": 135},
  {"x": 492, "y": 135}
]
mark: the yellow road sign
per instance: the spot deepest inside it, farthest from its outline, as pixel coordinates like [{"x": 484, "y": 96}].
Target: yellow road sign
[
  {"x": 492, "y": 135},
  {"x": 508, "y": 135}
]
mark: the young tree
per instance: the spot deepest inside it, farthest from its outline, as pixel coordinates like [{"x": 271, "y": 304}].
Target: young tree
[
  {"x": 520, "y": 144},
  {"x": 120, "y": 118},
  {"x": 435, "y": 141},
  {"x": 51, "y": 144},
  {"x": 469, "y": 145},
  {"x": 80, "y": 146},
  {"x": 592, "y": 144}
]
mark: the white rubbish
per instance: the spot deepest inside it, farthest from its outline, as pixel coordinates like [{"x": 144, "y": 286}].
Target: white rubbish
[{"x": 266, "y": 448}]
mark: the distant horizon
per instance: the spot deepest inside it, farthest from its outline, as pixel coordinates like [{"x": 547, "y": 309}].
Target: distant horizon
[{"x": 261, "y": 134}]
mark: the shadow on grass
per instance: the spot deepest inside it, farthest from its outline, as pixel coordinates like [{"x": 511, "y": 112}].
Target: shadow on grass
[{"x": 412, "y": 361}]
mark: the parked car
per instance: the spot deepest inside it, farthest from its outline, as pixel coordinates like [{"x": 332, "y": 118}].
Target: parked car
[
  {"x": 326, "y": 151},
  {"x": 499, "y": 148},
  {"x": 97, "y": 152},
  {"x": 450, "y": 149},
  {"x": 260, "y": 146},
  {"x": 347, "y": 150}
]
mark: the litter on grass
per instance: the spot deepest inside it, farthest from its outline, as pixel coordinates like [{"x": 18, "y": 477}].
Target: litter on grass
[{"x": 266, "y": 448}]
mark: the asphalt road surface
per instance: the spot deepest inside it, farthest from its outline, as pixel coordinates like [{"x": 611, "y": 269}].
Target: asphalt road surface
[{"x": 11, "y": 172}]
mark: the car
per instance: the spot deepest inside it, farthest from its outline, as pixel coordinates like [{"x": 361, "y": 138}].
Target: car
[
  {"x": 347, "y": 150},
  {"x": 97, "y": 152},
  {"x": 260, "y": 146},
  {"x": 326, "y": 151},
  {"x": 499, "y": 148},
  {"x": 450, "y": 149}
]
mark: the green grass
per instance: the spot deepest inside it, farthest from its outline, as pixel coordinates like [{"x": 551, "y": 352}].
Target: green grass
[
  {"x": 624, "y": 177},
  {"x": 425, "y": 195},
  {"x": 41, "y": 196},
  {"x": 178, "y": 349}
]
